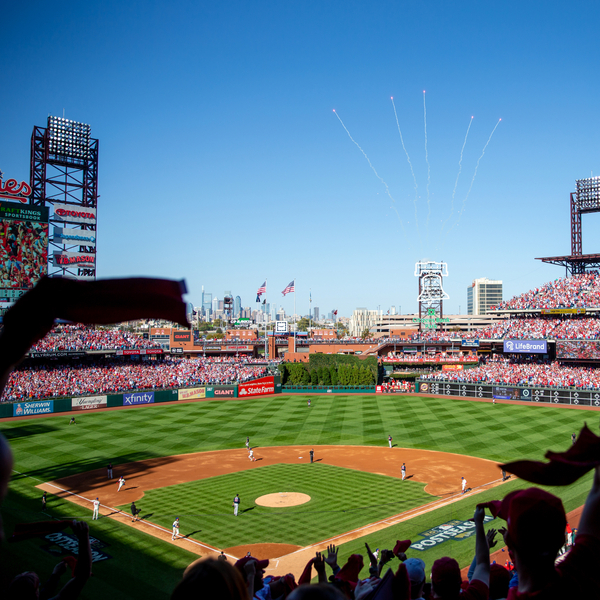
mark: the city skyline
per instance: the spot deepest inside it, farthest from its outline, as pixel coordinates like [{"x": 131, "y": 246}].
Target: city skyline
[{"x": 239, "y": 144}]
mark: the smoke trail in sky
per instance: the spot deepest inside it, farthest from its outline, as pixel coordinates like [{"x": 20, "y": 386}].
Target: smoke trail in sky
[
  {"x": 387, "y": 189},
  {"x": 411, "y": 170},
  {"x": 473, "y": 180},
  {"x": 459, "y": 172},
  {"x": 428, "y": 166}
]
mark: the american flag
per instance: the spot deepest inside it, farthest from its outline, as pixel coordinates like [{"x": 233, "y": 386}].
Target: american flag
[
  {"x": 261, "y": 290},
  {"x": 290, "y": 288}
]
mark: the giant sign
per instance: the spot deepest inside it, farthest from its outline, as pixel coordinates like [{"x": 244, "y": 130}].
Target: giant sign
[
  {"x": 138, "y": 398},
  {"x": 73, "y": 213},
  {"x": 258, "y": 387},
  {"x": 74, "y": 259},
  {"x": 74, "y": 237},
  {"x": 182, "y": 336},
  {"x": 526, "y": 346},
  {"x": 23, "y": 409}
]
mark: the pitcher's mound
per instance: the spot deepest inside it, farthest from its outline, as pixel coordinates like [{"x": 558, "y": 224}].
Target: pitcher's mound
[{"x": 282, "y": 499}]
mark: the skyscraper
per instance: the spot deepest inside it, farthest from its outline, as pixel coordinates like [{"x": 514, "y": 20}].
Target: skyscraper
[
  {"x": 237, "y": 307},
  {"x": 482, "y": 294}
]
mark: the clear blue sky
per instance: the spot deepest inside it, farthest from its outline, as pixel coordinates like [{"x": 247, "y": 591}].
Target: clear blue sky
[{"x": 222, "y": 161}]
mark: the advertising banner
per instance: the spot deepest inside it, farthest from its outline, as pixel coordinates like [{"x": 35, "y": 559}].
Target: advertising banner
[
  {"x": 142, "y": 352},
  {"x": 410, "y": 350},
  {"x": 470, "y": 343},
  {"x": 182, "y": 336},
  {"x": 138, "y": 398},
  {"x": 22, "y": 409},
  {"x": 563, "y": 311},
  {"x": 221, "y": 391},
  {"x": 69, "y": 213},
  {"x": 258, "y": 387},
  {"x": 232, "y": 348},
  {"x": 452, "y": 367},
  {"x": 191, "y": 394},
  {"x": 451, "y": 530},
  {"x": 66, "y": 259},
  {"x": 89, "y": 402},
  {"x": 69, "y": 544},
  {"x": 506, "y": 393},
  {"x": 212, "y": 348},
  {"x": 57, "y": 354},
  {"x": 526, "y": 346},
  {"x": 74, "y": 237}
]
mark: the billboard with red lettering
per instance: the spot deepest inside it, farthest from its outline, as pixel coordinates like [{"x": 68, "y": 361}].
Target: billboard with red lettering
[{"x": 258, "y": 387}]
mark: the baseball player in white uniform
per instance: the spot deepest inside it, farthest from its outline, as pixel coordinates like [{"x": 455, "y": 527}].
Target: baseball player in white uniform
[
  {"x": 464, "y": 484},
  {"x": 121, "y": 483},
  {"x": 236, "y": 505},
  {"x": 175, "y": 528},
  {"x": 96, "y": 504},
  {"x": 403, "y": 469},
  {"x": 251, "y": 454},
  {"x": 390, "y": 440}
]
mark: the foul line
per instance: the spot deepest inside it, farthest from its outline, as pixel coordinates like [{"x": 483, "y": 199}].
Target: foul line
[{"x": 120, "y": 512}]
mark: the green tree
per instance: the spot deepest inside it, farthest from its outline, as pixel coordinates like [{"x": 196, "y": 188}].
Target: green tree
[
  {"x": 365, "y": 334},
  {"x": 314, "y": 377},
  {"x": 283, "y": 371},
  {"x": 303, "y": 324},
  {"x": 354, "y": 378},
  {"x": 305, "y": 377},
  {"x": 326, "y": 377},
  {"x": 334, "y": 376}
]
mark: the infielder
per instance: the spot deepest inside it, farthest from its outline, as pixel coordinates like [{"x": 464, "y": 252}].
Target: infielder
[
  {"x": 403, "y": 469},
  {"x": 251, "y": 454},
  {"x": 96, "y": 504},
  {"x": 248, "y": 443},
  {"x": 390, "y": 440},
  {"x": 464, "y": 484},
  {"x": 236, "y": 505},
  {"x": 121, "y": 483},
  {"x": 109, "y": 470},
  {"x": 175, "y": 528}
]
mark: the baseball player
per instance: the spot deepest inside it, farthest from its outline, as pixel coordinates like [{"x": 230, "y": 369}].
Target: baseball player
[
  {"x": 403, "y": 469},
  {"x": 72, "y": 421},
  {"x": 96, "y": 504},
  {"x": 573, "y": 438},
  {"x": 121, "y": 483},
  {"x": 251, "y": 454},
  {"x": 248, "y": 443},
  {"x": 135, "y": 513},
  {"x": 464, "y": 484},
  {"x": 44, "y": 496},
  {"x": 309, "y": 401},
  {"x": 175, "y": 528},
  {"x": 109, "y": 470},
  {"x": 236, "y": 505},
  {"x": 390, "y": 440},
  {"x": 312, "y": 455}
]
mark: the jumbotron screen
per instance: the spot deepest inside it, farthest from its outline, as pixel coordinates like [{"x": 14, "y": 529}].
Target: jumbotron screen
[
  {"x": 578, "y": 350},
  {"x": 23, "y": 249}
]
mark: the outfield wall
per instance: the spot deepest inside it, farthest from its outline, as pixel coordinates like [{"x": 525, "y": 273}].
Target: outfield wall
[
  {"x": 550, "y": 395},
  {"x": 258, "y": 387},
  {"x": 329, "y": 389}
]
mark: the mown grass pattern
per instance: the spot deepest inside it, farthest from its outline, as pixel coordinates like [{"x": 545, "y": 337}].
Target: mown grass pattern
[
  {"x": 341, "y": 500},
  {"x": 50, "y": 448}
]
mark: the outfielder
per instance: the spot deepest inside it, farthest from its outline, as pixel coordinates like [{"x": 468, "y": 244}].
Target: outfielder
[
  {"x": 403, "y": 469},
  {"x": 96, "y": 504},
  {"x": 175, "y": 528},
  {"x": 464, "y": 484},
  {"x": 236, "y": 505},
  {"x": 390, "y": 440}
]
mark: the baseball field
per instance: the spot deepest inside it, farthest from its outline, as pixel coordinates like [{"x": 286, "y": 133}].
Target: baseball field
[{"x": 189, "y": 461}]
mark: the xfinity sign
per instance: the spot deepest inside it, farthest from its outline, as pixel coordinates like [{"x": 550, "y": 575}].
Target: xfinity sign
[
  {"x": 526, "y": 346},
  {"x": 139, "y": 398}
]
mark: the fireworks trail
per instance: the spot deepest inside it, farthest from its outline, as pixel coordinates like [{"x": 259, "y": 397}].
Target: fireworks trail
[
  {"x": 459, "y": 172},
  {"x": 387, "y": 189},
  {"x": 428, "y": 166},
  {"x": 411, "y": 169},
  {"x": 474, "y": 175}
]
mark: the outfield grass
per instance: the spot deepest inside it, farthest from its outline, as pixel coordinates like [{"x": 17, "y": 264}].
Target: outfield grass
[{"x": 142, "y": 566}]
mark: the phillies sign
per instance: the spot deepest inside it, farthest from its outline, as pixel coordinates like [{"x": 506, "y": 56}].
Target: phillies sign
[
  {"x": 258, "y": 387},
  {"x": 12, "y": 190}
]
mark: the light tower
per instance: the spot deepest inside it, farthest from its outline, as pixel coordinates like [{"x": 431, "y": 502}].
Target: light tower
[
  {"x": 431, "y": 293},
  {"x": 64, "y": 177}
]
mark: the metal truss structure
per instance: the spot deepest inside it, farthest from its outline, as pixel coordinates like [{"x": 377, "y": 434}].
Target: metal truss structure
[
  {"x": 585, "y": 200},
  {"x": 431, "y": 293},
  {"x": 64, "y": 171}
]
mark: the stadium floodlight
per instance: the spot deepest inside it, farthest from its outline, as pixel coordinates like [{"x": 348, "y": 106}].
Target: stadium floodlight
[
  {"x": 588, "y": 194},
  {"x": 68, "y": 139}
]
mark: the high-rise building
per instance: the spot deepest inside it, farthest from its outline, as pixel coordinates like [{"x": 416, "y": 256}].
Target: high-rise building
[
  {"x": 206, "y": 303},
  {"x": 362, "y": 319},
  {"x": 316, "y": 313},
  {"x": 237, "y": 307},
  {"x": 482, "y": 294}
]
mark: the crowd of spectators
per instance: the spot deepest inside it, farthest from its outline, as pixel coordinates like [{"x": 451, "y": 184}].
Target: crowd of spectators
[
  {"x": 79, "y": 338},
  {"x": 397, "y": 385},
  {"x": 122, "y": 375},
  {"x": 439, "y": 357},
  {"x": 505, "y": 371},
  {"x": 540, "y": 328},
  {"x": 579, "y": 291}
]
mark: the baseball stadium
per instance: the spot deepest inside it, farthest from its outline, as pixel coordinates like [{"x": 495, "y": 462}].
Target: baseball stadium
[{"x": 144, "y": 451}]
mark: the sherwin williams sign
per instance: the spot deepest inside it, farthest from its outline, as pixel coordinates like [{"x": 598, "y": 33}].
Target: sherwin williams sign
[
  {"x": 526, "y": 346},
  {"x": 258, "y": 387},
  {"x": 139, "y": 398},
  {"x": 22, "y": 409}
]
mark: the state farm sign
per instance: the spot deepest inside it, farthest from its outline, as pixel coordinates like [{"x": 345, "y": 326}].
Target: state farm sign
[{"x": 258, "y": 387}]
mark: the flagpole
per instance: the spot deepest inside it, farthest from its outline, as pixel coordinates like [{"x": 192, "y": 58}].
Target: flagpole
[
  {"x": 295, "y": 327},
  {"x": 265, "y": 313}
]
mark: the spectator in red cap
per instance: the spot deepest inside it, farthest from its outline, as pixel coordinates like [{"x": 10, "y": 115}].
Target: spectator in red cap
[
  {"x": 253, "y": 571},
  {"x": 445, "y": 575},
  {"x": 536, "y": 524}
]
